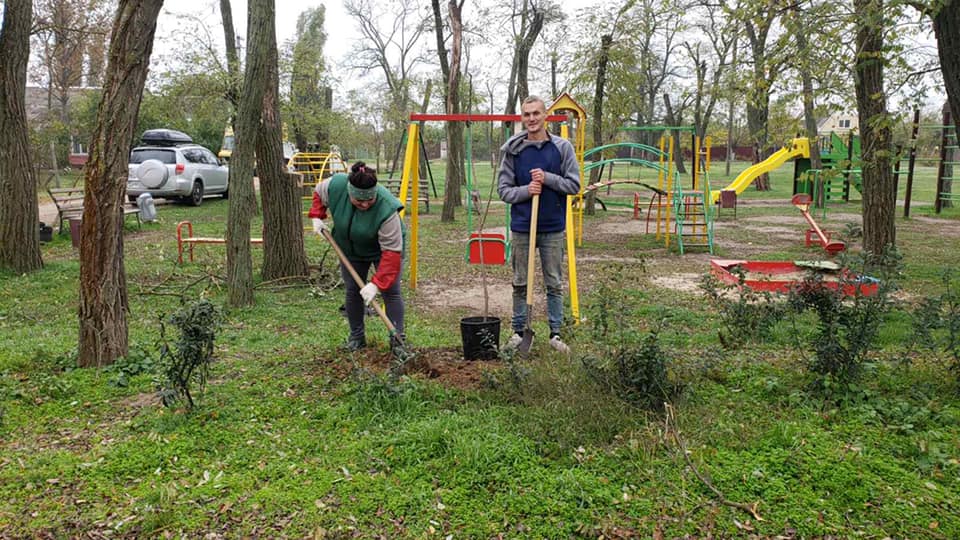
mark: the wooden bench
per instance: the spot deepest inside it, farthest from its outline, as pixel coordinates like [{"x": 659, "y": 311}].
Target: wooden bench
[
  {"x": 393, "y": 185},
  {"x": 190, "y": 240},
  {"x": 69, "y": 203}
]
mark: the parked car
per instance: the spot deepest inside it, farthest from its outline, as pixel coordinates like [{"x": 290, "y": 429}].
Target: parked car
[{"x": 167, "y": 164}]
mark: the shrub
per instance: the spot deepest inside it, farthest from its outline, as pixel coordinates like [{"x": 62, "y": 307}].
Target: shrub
[
  {"x": 936, "y": 321},
  {"x": 628, "y": 364},
  {"x": 847, "y": 327},
  {"x": 187, "y": 362},
  {"x": 746, "y": 317}
]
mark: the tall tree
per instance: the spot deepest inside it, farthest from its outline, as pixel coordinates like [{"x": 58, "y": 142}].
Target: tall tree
[
  {"x": 103, "y": 285},
  {"x": 527, "y": 21},
  {"x": 879, "y": 196},
  {"x": 451, "y": 90},
  {"x": 391, "y": 45},
  {"x": 283, "y": 253},
  {"x": 233, "y": 59},
  {"x": 310, "y": 102},
  {"x": 946, "y": 28},
  {"x": 70, "y": 42},
  {"x": 758, "y": 18},
  {"x": 19, "y": 222},
  {"x": 243, "y": 202}
]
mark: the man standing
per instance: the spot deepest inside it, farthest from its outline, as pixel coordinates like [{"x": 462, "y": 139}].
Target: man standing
[{"x": 536, "y": 162}]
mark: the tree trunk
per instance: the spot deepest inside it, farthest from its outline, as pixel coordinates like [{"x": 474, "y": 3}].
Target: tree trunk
[
  {"x": 879, "y": 198},
  {"x": 455, "y": 149},
  {"x": 233, "y": 60},
  {"x": 946, "y": 26},
  {"x": 606, "y": 42},
  {"x": 243, "y": 203},
  {"x": 949, "y": 157},
  {"x": 19, "y": 222},
  {"x": 758, "y": 110},
  {"x": 518, "y": 89},
  {"x": 800, "y": 30},
  {"x": 675, "y": 135},
  {"x": 103, "y": 286},
  {"x": 283, "y": 253}
]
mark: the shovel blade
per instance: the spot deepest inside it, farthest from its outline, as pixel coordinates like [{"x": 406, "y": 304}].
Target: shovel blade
[{"x": 526, "y": 342}]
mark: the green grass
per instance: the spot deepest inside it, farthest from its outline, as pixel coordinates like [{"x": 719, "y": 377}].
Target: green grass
[{"x": 288, "y": 441}]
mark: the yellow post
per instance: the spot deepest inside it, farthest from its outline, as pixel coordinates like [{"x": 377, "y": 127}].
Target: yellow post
[
  {"x": 411, "y": 177},
  {"x": 706, "y": 143},
  {"x": 571, "y": 249}
]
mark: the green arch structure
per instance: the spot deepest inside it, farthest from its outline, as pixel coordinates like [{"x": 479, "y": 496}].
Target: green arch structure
[
  {"x": 594, "y": 164},
  {"x": 645, "y": 147}
]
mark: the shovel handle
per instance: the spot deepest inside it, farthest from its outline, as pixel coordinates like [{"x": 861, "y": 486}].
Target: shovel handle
[
  {"x": 532, "y": 252},
  {"x": 356, "y": 278}
]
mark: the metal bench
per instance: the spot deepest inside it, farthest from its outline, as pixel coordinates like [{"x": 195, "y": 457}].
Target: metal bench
[{"x": 190, "y": 240}]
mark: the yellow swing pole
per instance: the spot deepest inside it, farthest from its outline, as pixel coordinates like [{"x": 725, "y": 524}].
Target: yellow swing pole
[{"x": 411, "y": 180}]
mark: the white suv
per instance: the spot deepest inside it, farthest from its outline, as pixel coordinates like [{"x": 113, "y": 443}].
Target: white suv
[{"x": 169, "y": 165}]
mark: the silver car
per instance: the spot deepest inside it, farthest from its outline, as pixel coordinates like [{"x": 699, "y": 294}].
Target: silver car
[{"x": 168, "y": 165}]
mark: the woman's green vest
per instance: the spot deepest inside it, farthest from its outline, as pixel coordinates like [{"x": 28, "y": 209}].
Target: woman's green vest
[{"x": 356, "y": 231}]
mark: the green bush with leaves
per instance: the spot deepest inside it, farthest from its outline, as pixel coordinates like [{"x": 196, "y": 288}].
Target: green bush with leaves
[
  {"x": 746, "y": 315},
  {"x": 630, "y": 365},
  {"x": 847, "y": 327},
  {"x": 186, "y": 362},
  {"x": 936, "y": 321}
]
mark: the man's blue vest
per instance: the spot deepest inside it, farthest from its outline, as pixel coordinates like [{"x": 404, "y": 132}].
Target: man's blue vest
[{"x": 552, "y": 216}]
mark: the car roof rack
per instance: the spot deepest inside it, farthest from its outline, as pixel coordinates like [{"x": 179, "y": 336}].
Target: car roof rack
[{"x": 165, "y": 137}]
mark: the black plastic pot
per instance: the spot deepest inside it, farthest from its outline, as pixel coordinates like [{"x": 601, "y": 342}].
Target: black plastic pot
[{"x": 481, "y": 337}]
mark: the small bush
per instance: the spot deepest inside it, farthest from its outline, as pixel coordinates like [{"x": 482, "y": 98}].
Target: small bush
[
  {"x": 936, "y": 321},
  {"x": 637, "y": 374},
  {"x": 847, "y": 327},
  {"x": 187, "y": 361},
  {"x": 748, "y": 317},
  {"x": 626, "y": 363}
]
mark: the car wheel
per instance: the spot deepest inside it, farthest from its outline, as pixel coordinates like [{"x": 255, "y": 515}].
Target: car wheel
[{"x": 196, "y": 196}]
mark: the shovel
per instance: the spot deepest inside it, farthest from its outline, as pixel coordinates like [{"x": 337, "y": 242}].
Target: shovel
[
  {"x": 396, "y": 340},
  {"x": 528, "y": 333}
]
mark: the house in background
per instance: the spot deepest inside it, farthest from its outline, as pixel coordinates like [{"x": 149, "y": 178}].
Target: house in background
[
  {"x": 42, "y": 105},
  {"x": 841, "y": 123}
]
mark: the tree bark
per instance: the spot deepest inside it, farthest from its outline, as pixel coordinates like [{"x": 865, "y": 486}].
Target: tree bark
[
  {"x": 19, "y": 221},
  {"x": 606, "y": 42},
  {"x": 946, "y": 26},
  {"x": 806, "y": 78},
  {"x": 455, "y": 147},
  {"x": 103, "y": 286},
  {"x": 243, "y": 203},
  {"x": 879, "y": 198},
  {"x": 233, "y": 60},
  {"x": 283, "y": 253},
  {"x": 517, "y": 88}
]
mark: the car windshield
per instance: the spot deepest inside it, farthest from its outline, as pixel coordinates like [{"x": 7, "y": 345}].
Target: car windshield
[{"x": 140, "y": 155}]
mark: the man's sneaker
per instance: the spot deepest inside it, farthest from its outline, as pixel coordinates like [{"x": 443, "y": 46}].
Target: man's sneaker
[
  {"x": 354, "y": 344},
  {"x": 558, "y": 344},
  {"x": 513, "y": 342}
]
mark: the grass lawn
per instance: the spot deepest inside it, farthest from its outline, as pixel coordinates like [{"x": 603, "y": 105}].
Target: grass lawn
[{"x": 295, "y": 438}]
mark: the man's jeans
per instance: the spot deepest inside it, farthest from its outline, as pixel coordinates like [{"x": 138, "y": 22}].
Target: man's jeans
[
  {"x": 392, "y": 299},
  {"x": 550, "y": 246}
]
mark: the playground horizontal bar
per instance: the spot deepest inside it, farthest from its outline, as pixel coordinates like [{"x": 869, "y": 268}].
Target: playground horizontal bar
[{"x": 421, "y": 117}]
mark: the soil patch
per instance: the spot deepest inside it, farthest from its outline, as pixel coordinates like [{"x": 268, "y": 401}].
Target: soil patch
[
  {"x": 683, "y": 282},
  {"x": 442, "y": 364}
]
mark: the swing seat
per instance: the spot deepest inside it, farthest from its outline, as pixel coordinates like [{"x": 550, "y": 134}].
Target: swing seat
[{"x": 487, "y": 248}]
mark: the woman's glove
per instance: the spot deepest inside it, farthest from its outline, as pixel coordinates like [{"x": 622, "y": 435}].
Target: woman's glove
[
  {"x": 319, "y": 226},
  {"x": 369, "y": 292}
]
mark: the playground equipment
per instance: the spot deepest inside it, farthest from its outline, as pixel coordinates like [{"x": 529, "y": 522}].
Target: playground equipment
[
  {"x": 410, "y": 180},
  {"x": 693, "y": 214},
  {"x": 781, "y": 276},
  {"x": 802, "y": 202},
  {"x": 316, "y": 166},
  {"x": 948, "y": 142},
  {"x": 799, "y": 147},
  {"x": 840, "y": 170}
]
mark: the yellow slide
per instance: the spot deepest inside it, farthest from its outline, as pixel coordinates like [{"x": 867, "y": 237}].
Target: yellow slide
[{"x": 799, "y": 147}]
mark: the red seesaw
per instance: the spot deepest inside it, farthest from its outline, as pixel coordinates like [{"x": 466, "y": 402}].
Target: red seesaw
[{"x": 802, "y": 202}]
